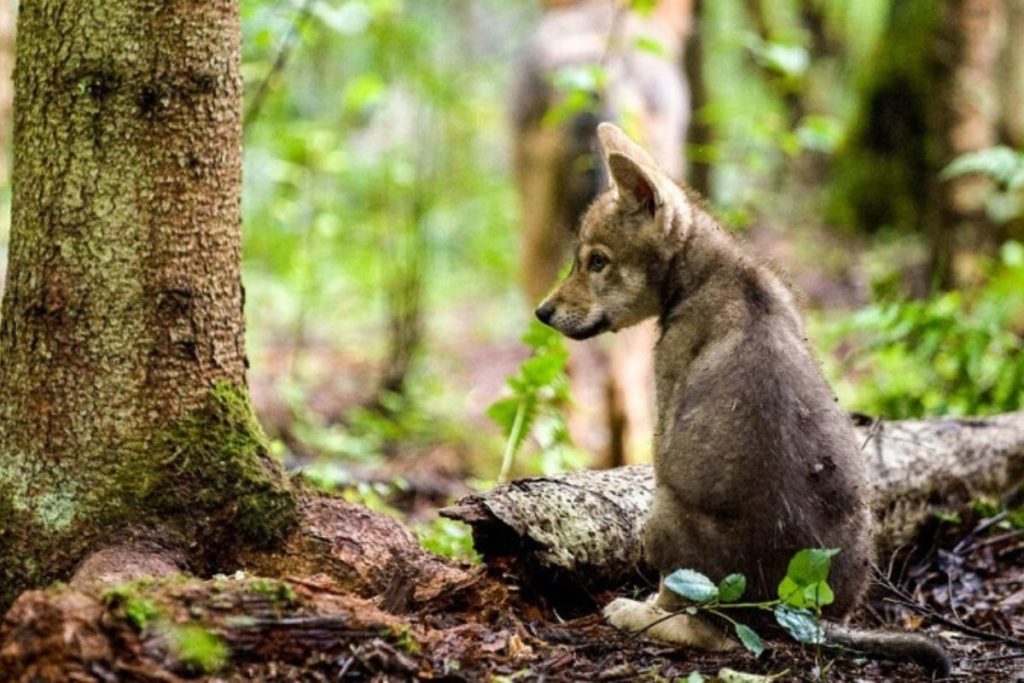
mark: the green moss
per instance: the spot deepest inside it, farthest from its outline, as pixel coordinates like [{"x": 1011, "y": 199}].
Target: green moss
[
  {"x": 199, "y": 649},
  {"x": 137, "y": 610},
  {"x": 213, "y": 473},
  {"x": 405, "y": 640},
  {"x": 277, "y": 591}
]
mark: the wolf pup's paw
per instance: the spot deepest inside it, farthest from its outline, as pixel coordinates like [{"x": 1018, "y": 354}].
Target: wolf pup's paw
[{"x": 681, "y": 629}]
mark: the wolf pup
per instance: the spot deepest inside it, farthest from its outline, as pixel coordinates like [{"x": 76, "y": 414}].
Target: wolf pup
[
  {"x": 753, "y": 458},
  {"x": 558, "y": 174}
]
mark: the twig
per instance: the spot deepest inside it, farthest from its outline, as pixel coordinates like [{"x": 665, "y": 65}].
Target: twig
[
  {"x": 871, "y": 432},
  {"x": 283, "y": 52},
  {"x": 978, "y": 633},
  {"x": 929, "y": 613},
  {"x": 967, "y": 541}
]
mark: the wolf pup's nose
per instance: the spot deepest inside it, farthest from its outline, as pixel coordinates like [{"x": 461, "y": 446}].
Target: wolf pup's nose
[{"x": 544, "y": 313}]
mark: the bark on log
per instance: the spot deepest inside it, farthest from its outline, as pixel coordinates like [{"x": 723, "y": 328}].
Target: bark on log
[{"x": 583, "y": 529}]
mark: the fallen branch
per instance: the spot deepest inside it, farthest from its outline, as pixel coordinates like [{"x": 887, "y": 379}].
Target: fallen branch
[{"x": 583, "y": 529}]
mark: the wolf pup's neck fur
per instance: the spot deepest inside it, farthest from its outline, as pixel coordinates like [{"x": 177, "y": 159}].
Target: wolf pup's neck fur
[{"x": 753, "y": 458}]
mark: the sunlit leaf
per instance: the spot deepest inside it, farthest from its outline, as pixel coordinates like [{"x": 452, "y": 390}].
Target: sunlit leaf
[{"x": 691, "y": 585}]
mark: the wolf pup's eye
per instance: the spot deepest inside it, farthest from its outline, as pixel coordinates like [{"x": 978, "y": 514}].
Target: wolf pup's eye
[{"x": 597, "y": 262}]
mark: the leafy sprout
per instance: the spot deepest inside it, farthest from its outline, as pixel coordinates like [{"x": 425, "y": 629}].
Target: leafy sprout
[{"x": 802, "y": 593}]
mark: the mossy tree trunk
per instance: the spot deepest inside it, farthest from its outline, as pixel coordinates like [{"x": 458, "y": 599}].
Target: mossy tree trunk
[{"x": 123, "y": 406}]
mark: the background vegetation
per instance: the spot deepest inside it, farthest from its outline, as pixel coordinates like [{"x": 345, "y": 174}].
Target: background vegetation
[{"x": 381, "y": 240}]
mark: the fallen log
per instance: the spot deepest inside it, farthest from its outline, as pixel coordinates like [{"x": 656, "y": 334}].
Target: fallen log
[{"x": 583, "y": 529}]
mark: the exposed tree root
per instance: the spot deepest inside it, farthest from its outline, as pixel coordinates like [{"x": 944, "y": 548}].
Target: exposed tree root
[{"x": 364, "y": 553}]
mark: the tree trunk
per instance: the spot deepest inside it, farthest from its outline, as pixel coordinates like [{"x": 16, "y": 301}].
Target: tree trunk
[
  {"x": 1011, "y": 87},
  {"x": 699, "y": 139},
  {"x": 6, "y": 86},
  {"x": 583, "y": 530},
  {"x": 122, "y": 366},
  {"x": 932, "y": 95},
  {"x": 885, "y": 172},
  {"x": 968, "y": 48}
]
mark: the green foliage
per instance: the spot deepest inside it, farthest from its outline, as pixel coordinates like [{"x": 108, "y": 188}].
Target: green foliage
[
  {"x": 578, "y": 89},
  {"x": 957, "y": 353},
  {"x": 448, "y": 538},
  {"x": 199, "y": 649},
  {"x": 802, "y": 593},
  {"x": 536, "y": 398},
  {"x": 406, "y": 641}
]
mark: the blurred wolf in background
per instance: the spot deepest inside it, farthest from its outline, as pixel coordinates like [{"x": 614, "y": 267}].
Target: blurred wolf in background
[{"x": 637, "y": 61}]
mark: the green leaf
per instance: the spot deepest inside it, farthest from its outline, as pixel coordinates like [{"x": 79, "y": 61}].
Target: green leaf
[
  {"x": 811, "y": 565},
  {"x": 691, "y": 585},
  {"x": 503, "y": 413},
  {"x": 543, "y": 369},
  {"x": 750, "y": 639},
  {"x": 695, "y": 677},
  {"x": 819, "y": 594},
  {"x": 1002, "y": 164},
  {"x": 791, "y": 593},
  {"x": 538, "y": 336},
  {"x": 732, "y": 588},
  {"x": 801, "y": 624}
]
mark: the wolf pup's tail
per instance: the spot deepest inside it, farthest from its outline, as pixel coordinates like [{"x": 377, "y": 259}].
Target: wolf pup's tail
[{"x": 893, "y": 645}]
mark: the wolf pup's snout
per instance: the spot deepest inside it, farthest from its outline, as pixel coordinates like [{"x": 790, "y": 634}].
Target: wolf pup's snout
[{"x": 545, "y": 312}]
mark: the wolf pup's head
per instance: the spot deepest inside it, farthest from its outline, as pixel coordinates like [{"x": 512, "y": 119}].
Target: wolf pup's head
[{"x": 622, "y": 245}]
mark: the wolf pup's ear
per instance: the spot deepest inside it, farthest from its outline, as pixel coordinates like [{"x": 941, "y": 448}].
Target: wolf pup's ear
[
  {"x": 637, "y": 188},
  {"x": 612, "y": 139}
]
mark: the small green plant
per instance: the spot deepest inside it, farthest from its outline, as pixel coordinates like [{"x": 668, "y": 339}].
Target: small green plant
[
  {"x": 538, "y": 394},
  {"x": 802, "y": 593}
]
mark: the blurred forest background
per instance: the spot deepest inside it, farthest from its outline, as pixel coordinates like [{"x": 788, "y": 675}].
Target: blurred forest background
[{"x": 872, "y": 149}]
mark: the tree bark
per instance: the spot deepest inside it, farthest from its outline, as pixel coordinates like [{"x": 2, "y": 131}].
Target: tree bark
[
  {"x": 122, "y": 366},
  {"x": 6, "y": 85},
  {"x": 968, "y": 47},
  {"x": 583, "y": 530}
]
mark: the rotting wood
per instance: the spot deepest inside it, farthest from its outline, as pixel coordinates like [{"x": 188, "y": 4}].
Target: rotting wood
[{"x": 583, "y": 529}]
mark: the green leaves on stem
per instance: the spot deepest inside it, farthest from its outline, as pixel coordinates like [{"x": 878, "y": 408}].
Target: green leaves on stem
[{"x": 802, "y": 593}]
